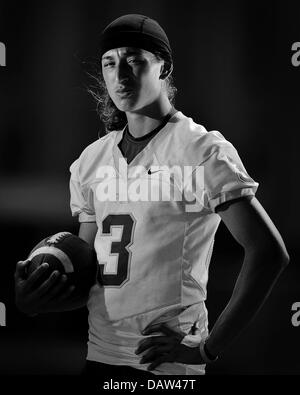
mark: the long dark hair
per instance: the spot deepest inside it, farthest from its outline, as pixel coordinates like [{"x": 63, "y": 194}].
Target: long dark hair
[{"x": 110, "y": 115}]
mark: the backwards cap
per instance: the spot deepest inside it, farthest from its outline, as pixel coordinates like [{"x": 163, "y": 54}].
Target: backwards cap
[{"x": 137, "y": 31}]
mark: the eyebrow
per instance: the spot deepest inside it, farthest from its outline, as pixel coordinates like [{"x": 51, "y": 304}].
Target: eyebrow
[
  {"x": 107, "y": 57},
  {"x": 128, "y": 52},
  {"x": 133, "y": 52}
]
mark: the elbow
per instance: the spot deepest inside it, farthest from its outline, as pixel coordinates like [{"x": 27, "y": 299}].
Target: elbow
[
  {"x": 279, "y": 257},
  {"x": 285, "y": 259},
  {"x": 273, "y": 255}
]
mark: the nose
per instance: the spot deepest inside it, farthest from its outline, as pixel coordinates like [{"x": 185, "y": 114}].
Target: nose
[{"x": 123, "y": 72}]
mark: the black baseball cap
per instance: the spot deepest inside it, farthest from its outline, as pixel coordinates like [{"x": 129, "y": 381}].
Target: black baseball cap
[{"x": 139, "y": 31}]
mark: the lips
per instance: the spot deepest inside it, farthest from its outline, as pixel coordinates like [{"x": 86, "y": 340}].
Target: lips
[{"x": 124, "y": 91}]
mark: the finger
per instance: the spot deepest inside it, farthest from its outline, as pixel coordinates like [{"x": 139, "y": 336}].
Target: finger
[
  {"x": 159, "y": 361},
  {"x": 36, "y": 274},
  {"x": 155, "y": 353},
  {"x": 58, "y": 301},
  {"x": 152, "y": 342},
  {"x": 66, "y": 294},
  {"x": 57, "y": 287},
  {"x": 54, "y": 303},
  {"x": 47, "y": 285},
  {"x": 21, "y": 269},
  {"x": 159, "y": 328}
]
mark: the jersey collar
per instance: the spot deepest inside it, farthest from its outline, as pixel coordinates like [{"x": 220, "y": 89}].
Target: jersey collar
[{"x": 144, "y": 158}]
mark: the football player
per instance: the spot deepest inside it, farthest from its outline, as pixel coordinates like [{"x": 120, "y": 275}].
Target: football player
[{"x": 149, "y": 197}]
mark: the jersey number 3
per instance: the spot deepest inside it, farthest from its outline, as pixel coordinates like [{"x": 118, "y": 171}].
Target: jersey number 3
[{"x": 115, "y": 255}]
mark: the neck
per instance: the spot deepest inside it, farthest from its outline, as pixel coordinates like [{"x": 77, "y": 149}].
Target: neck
[{"x": 148, "y": 118}]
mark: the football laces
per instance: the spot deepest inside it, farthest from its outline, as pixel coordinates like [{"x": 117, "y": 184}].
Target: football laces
[{"x": 57, "y": 237}]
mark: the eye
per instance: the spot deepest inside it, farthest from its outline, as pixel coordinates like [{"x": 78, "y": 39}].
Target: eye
[
  {"x": 134, "y": 60},
  {"x": 108, "y": 64}
]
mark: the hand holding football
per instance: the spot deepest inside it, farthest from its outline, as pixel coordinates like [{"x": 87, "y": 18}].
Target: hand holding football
[{"x": 62, "y": 284}]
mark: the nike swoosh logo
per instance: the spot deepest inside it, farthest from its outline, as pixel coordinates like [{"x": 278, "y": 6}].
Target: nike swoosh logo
[{"x": 152, "y": 172}]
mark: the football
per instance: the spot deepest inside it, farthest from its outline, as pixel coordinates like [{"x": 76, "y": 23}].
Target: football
[{"x": 68, "y": 254}]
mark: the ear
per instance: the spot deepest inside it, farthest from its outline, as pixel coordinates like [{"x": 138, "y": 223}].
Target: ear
[{"x": 166, "y": 70}]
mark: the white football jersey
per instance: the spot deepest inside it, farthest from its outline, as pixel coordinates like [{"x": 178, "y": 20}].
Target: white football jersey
[{"x": 156, "y": 225}]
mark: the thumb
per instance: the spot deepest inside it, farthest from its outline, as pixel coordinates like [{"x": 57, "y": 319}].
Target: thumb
[{"x": 21, "y": 268}]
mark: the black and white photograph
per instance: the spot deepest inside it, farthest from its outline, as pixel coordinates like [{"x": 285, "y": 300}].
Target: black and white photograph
[{"x": 148, "y": 194}]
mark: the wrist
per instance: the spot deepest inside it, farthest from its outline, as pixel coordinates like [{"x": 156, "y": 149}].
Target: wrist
[
  {"x": 209, "y": 354},
  {"x": 205, "y": 353}
]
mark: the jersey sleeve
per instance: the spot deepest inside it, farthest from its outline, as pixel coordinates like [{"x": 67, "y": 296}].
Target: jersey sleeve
[
  {"x": 80, "y": 203},
  {"x": 223, "y": 177}
]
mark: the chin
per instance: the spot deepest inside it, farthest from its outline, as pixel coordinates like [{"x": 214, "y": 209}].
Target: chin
[
  {"x": 130, "y": 103},
  {"x": 126, "y": 106}
]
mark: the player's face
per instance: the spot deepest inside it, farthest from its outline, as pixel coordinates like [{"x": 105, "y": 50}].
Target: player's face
[{"x": 132, "y": 77}]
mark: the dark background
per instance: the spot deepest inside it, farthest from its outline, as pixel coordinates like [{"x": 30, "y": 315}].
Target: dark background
[{"x": 233, "y": 72}]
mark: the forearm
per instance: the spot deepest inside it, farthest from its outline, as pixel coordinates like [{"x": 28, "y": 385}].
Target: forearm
[{"x": 257, "y": 277}]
